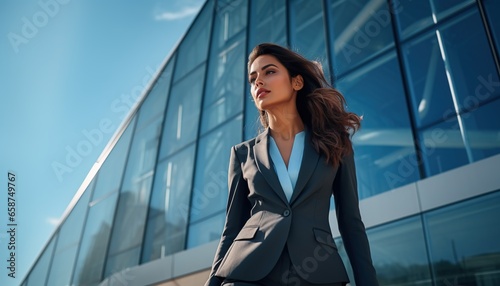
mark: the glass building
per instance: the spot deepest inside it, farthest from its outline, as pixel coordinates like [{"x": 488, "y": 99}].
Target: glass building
[{"x": 423, "y": 74}]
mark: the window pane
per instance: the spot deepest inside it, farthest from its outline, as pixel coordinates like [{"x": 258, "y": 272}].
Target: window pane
[
  {"x": 231, "y": 20},
  {"x": 129, "y": 222},
  {"x": 429, "y": 88},
  {"x": 111, "y": 172},
  {"x": 360, "y": 29},
  {"x": 308, "y": 31},
  {"x": 463, "y": 242},
  {"x": 168, "y": 213},
  {"x": 69, "y": 238},
  {"x": 154, "y": 104},
  {"x": 443, "y": 147},
  {"x": 469, "y": 61},
  {"x": 121, "y": 261},
  {"x": 205, "y": 231},
  {"x": 490, "y": 6},
  {"x": 227, "y": 68},
  {"x": 384, "y": 148},
  {"x": 183, "y": 113},
  {"x": 194, "y": 47},
  {"x": 38, "y": 273},
  {"x": 94, "y": 243},
  {"x": 399, "y": 253},
  {"x": 442, "y": 8},
  {"x": 412, "y": 16},
  {"x": 483, "y": 130},
  {"x": 210, "y": 185},
  {"x": 266, "y": 14}
]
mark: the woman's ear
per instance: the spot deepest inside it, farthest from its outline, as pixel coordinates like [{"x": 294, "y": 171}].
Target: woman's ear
[{"x": 297, "y": 82}]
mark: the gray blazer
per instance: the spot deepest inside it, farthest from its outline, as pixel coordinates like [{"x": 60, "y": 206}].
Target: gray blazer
[{"x": 260, "y": 221}]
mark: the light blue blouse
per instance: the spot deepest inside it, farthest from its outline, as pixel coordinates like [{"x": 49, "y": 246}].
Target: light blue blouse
[{"x": 288, "y": 177}]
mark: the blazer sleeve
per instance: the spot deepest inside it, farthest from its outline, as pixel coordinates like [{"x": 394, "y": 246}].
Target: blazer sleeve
[
  {"x": 237, "y": 213},
  {"x": 350, "y": 225}
]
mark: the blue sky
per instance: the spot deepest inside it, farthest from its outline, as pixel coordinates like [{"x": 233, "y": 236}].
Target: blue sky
[{"x": 66, "y": 68}]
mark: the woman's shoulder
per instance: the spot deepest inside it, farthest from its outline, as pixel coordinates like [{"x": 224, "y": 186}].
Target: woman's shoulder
[{"x": 248, "y": 144}]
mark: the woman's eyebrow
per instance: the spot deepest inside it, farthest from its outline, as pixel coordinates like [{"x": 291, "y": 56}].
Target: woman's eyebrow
[{"x": 263, "y": 68}]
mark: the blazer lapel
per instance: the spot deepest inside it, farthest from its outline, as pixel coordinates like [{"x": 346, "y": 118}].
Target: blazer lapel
[
  {"x": 309, "y": 162},
  {"x": 265, "y": 166}
]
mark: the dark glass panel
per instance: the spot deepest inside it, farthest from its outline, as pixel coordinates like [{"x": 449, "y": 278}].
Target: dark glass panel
[
  {"x": 483, "y": 130},
  {"x": 463, "y": 242},
  {"x": 307, "y": 25},
  {"x": 210, "y": 185},
  {"x": 169, "y": 207},
  {"x": 384, "y": 146},
  {"x": 359, "y": 30},
  {"x": 194, "y": 47},
  {"x": 183, "y": 113},
  {"x": 443, "y": 147}
]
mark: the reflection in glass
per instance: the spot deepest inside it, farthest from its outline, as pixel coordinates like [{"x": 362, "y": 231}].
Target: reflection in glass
[
  {"x": 210, "y": 185},
  {"x": 483, "y": 130},
  {"x": 360, "y": 29},
  {"x": 442, "y": 9},
  {"x": 157, "y": 96},
  {"x": 443, "y": 147},
  {"x": 227, "y": 65},
  {"x": 133, "y": 202},
  {"x": 468, "y": 60},
  {"x": 463, "y": 242},
  {"x": 490, "y": 7},
  {"x": 111, "y": 172},
  {"x": 183, "y": 112},
  {"x": 193, "y": 49},
  {"x": 94, "y": 244},
  {"x": 384, "y": 149},
  {"x": 430, "y": 92},
  {"x": 308, "y": 31},
  {"x": 412, "y": 16},
  {"x": 263, "y": 15},
  {"x": 207, "y": 230},
  {"x": 68, "y": 241},
  {"x": 399, "y": 253},
  {"x": 169, "y": 207}
]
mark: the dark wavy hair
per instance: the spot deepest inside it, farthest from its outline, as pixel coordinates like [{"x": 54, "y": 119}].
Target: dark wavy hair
[{"x": 321, "y": 107}]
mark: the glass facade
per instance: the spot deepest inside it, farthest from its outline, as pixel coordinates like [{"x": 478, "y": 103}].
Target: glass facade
[{"x": 424, "y": 76}]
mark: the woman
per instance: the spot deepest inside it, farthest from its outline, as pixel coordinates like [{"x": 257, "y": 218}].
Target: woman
[{"x": 277, "y": 230}]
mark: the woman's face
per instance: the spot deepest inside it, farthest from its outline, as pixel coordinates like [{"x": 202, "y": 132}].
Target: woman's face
[{"x": 270, "y": 83}]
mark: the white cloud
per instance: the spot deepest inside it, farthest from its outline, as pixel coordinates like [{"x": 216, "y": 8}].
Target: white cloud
[
  {"x": 53, "y": 221},
  {"x": 170, "y": 16}
]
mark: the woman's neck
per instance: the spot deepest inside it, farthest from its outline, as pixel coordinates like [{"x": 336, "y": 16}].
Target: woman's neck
[{"x": 284, "y": 124}]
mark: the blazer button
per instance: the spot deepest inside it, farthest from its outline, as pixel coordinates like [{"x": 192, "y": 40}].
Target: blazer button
[{"x": 286, "y": 213}]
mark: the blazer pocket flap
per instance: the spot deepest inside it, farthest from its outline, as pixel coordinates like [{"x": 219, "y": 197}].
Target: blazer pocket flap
[
  {"x": 247, "y": 232},
  {"x": 324, "y": 237}
]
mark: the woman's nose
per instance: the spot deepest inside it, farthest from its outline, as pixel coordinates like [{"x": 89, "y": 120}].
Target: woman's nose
[{"x": 258, "y": 82}]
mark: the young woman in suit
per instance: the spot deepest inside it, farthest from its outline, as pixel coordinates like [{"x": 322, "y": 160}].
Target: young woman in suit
[{"x": 280, "y": 183}]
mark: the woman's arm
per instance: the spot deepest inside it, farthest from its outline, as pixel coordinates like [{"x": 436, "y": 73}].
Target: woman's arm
[
  {"x": 237, "y": 213},
  {"x": 351, "y": 227}
]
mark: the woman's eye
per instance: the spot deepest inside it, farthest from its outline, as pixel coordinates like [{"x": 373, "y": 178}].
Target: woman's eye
[
  {"x": 252, "y": 80},
  {"x": 270, "y": 72}
]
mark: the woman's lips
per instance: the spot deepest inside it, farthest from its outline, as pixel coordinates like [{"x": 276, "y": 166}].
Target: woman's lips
[{"x": 261, "y": 92}]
